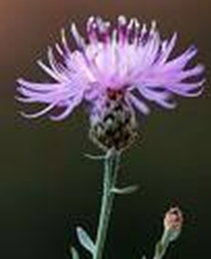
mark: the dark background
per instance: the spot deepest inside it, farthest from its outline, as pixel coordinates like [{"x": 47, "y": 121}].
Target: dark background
[{"x": 48, "y": 187}]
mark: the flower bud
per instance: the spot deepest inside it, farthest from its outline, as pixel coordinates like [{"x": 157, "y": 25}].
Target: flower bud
[
  {"x": 173, "y": 222},
  {"x": 173, "y": 219}
]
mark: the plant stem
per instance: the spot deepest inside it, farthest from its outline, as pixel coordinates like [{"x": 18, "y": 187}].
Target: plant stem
[
  {"x": 110, "y": 175},
  {"x": 162, "y": 245}
]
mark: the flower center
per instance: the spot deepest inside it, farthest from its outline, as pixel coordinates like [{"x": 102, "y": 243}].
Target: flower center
[{"x": 115, "y": 94}]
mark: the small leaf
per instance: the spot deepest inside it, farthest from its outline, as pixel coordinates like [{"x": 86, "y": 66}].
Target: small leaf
[
  {"x": 125, "y": 190},
  {"x": 95, "y": 157},
  {"x": 143, "y": 257},
  {"x": 74, "y": 253},
  {"x": 85, "y": 240}
]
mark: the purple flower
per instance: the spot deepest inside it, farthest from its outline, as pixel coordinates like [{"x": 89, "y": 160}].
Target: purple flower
[{"x": 128, "y": 61}]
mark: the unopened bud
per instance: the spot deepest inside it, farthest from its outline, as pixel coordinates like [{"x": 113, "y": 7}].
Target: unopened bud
[
  {"x": 173, "y": 219},
  {"x": 173, "y": 222}
]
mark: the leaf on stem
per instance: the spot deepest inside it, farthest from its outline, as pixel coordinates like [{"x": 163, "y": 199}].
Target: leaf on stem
[
  {"x": 85, "y": 240},
  {"x": 95, "y": 157},
  {"x": 74, "y": 253},
  {"x": 125, "y": 190}
]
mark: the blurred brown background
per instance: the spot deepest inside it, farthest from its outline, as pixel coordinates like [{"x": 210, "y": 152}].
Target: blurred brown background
[{"x": 47, "y": 187}]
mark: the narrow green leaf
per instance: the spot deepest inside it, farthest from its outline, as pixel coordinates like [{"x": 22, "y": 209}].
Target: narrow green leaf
[
  {"x": 95, "y": 157},
  {"x": 125, "y": 190},
  {"x": 85, "y": 240},
  {"x": 74, "y": 253}
]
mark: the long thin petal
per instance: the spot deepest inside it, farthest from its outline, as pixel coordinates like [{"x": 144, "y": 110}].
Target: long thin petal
[
  {"x": 49, "y": 71},
  {"x": 40, "y": 87},
  {"x": 142, "y": 107},
  {"x": 188, "y": 89},
  {"x": 40, "y": 113},
  {"x": 78, "y": 39},
  {"x": 72, "y": 105},
  {"x": 167, "y": 49}
]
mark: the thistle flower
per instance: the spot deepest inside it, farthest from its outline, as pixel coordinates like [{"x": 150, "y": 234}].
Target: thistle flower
[{"x": 113, "y": 72}]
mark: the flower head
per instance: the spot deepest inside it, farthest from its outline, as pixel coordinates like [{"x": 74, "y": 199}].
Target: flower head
[{"x": 128, "y": 64}]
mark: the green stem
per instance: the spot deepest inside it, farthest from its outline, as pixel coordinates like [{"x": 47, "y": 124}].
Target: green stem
[
  {"x": 110, "y": 175},
  {"x": 162, "y": 245}
]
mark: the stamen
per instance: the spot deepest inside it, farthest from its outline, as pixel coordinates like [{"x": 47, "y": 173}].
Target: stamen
[
  {"x": 130, "y": 25},
  {"x": 64, "y": 43},
  {"x": 122, "y": 28},
  {"x": 59, "y": 49},
  {"x": 79, "y": 40},
  {"x": 103, "y": 29},
  {"x": 144, "y": 34},
  {"x": 92, "y": 30},
  {"x": 153, "y": 28}
]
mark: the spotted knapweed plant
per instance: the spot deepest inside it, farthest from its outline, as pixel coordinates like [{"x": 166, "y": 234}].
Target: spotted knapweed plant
[{"x": 116, "y": 72}]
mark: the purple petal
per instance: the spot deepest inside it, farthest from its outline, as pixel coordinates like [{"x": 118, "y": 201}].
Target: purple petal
[
  {"x": 167, "y": 48},
  {"x": 181, "y": 61},
  {"x": 142, "y": 107},
  {"x": 78, "y": 39},
  {"x": 50, "y": 71},
  {"x": 188, "y": 89},
  {"x": 40, "y": 113},
  {"x": 40, "y": 87},
  {"x": 69, "y": 108}
]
